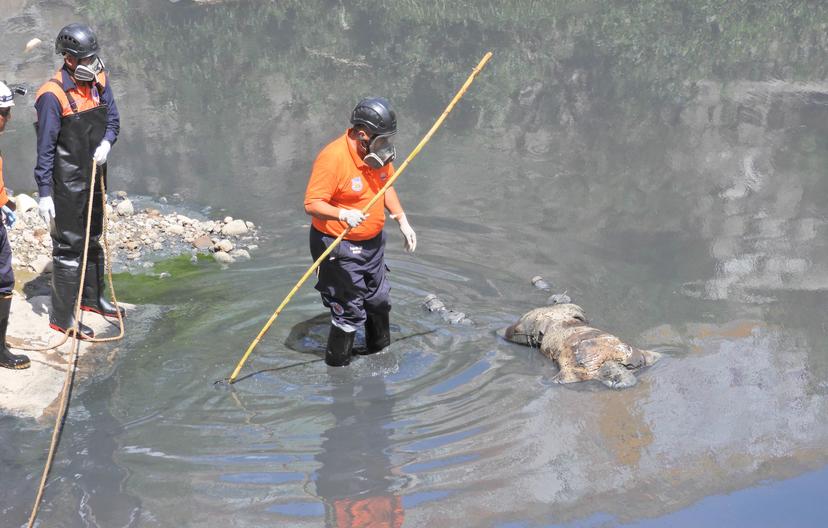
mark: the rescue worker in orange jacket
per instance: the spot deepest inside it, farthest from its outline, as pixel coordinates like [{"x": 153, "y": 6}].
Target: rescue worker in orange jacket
[
  {"x": 346, "y": 175},
  {"x": 7, "y": 359},
  {"x": 77, "y": 123}
]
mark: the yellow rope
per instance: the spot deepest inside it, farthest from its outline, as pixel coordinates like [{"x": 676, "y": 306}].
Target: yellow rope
[
  {"x": 388, "y": 184},
  {"x": 75, "y": 331}
]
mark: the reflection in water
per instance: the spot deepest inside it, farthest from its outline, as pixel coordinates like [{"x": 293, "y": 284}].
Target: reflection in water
[{"x": 356, "y": 479}]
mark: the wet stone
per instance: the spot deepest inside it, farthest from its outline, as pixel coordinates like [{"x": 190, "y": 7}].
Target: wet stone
[
  {"x": 136, "y": 237},
  {"x": 540, "y": 283},
  {"x": 222, "y": 257},
  {"x": 453, "y": 317},
  {"x": 236, "y": 227},
  {"x": 202, "y": 242},
  {"x": 125, "y": 208},
  {"x": 225, "y": 246},
  {"x": 433, "y": 304}
]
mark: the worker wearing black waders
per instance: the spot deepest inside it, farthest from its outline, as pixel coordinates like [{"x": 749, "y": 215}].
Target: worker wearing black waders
[
  {"x": 7, "y": 359},
  {"x": 77, "y": 124},
  {"x": 346, "y": 175}
]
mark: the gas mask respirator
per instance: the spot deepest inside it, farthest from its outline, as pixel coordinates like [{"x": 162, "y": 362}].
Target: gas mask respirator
[
  {"x": 88, "y": 72},
  {"x": 381, "y": 152}
]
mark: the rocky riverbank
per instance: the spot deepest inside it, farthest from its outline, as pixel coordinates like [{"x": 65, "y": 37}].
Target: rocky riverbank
[
  {"x": 140, "y": 231},
  {"x": 34, "y": 392}
]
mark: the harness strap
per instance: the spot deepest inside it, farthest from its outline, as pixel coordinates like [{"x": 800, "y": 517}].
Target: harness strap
[{"x": 72, "y": 104}]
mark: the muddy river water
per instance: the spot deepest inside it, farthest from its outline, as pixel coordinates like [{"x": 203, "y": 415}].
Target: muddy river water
[{"x": 662, "y": 164}]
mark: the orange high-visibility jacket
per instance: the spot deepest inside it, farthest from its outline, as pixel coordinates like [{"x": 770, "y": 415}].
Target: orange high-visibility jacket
[{"x": 75, "y": 99}]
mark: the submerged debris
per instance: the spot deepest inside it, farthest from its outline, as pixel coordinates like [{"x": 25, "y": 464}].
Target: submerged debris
[
  {"x": 432, "y": 303},
  {"x": 540, "y": 283},
  {"x": 558, "y": 298}
]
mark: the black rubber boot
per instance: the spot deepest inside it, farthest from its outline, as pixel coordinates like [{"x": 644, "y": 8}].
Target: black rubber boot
[
  {"x": 377, "y": 333},
  {"x": 65, "y": 281},
  {"x": 7, "y": 359},
  {"x": 340, "y": 346},
  {"x": 85, "y": 331},
  {"x": 93, "y": 299}
]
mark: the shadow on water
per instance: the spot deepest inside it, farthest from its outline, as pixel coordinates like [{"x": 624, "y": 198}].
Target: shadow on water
[{"x": 310, "y": 337}]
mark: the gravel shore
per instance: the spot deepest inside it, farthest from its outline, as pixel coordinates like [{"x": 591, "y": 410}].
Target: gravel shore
[{"x": 140, "y": 231}]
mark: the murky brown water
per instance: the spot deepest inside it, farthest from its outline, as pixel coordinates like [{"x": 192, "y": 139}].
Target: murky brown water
[{"x": 669, "y": 179}]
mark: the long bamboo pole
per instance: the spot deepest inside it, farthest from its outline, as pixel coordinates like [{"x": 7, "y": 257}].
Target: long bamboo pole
[{"x": 338, "y": 239}]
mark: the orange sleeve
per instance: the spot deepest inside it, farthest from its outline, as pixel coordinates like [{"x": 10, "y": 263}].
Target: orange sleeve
[
  {"x": 4, "y": 197},
  {"x": 323, "y": 178}
]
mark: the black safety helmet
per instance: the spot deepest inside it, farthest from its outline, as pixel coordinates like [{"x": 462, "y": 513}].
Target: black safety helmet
[
  {"x": 78, "y": 40},
  {"x": 376, "y": 114}
]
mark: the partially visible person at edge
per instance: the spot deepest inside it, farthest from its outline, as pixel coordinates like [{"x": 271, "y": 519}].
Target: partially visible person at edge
[
  {"x": 77, "y": 124},
  {"x": 7, "y": 359},
  {"x": 346, "y": 175}
]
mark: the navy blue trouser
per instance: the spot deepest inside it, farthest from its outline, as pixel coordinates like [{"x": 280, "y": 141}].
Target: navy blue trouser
[
  {"x": 6, "y": 272},
  {"x": 352, "y": 279}
]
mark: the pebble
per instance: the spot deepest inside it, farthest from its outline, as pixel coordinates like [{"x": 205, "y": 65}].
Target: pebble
[
  {"x": 224, "y": 245},
  {"x": 235, "y": 227},
  {"x": 163, "y": 275},
  {"x": 125, "y": 208},
  {"x": 135, "y": 236},
  {"x": 202, "y": 242}
]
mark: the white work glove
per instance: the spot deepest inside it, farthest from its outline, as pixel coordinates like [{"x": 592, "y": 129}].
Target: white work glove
[
  {"x": 408, "y": 233},
  {"x": 352, "y": 217},
  {"x": 102, "y": 152},
  {"x": 46, "y": 208}
]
